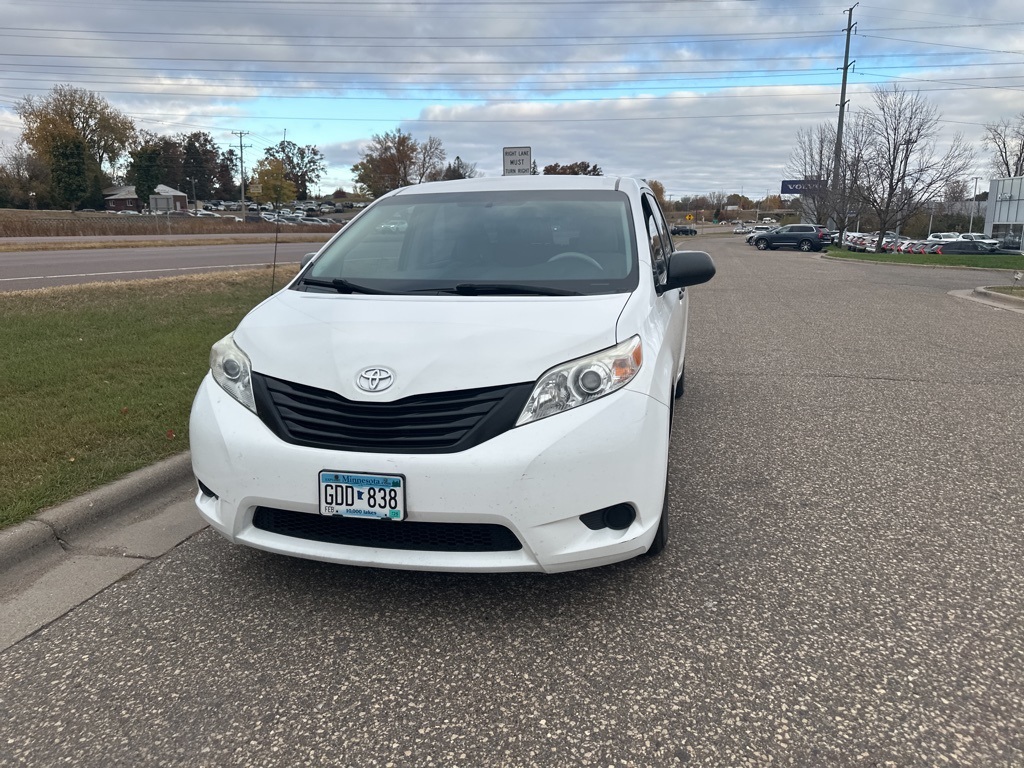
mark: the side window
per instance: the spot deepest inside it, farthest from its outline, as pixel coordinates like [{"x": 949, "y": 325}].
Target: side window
[{"x": 657, "y": 234}]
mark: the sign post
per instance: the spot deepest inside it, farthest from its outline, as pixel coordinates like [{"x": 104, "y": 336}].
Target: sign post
[{"x": 517, "y": 161}]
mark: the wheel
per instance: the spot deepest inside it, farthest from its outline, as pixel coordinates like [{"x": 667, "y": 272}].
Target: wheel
[
  {"x": 681, "y": 384},
  {"x": 805, "y": 245},
  {"x": 661, "y": 537},
  {"x": 576, "y": 255},
  {"x": 761, "y": 245}
]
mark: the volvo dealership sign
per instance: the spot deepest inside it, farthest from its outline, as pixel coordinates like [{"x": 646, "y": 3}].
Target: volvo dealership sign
[{"x": 803, "y": 186}]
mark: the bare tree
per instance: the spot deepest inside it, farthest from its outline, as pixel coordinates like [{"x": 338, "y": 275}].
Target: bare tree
[
  {"x": 813, "y": 159},
  {"x": 1005, "y": 140},
  {"x": 429, "y": 161},
  {"x": 901, "y": 171}
]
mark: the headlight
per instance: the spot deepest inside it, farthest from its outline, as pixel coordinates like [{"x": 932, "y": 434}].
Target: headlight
[
  {"x": 231, "y": 369},
  {"x": 580, "y": 381}
]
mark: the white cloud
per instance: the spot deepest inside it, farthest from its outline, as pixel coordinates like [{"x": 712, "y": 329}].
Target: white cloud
[{"x": 701, "y": 96}]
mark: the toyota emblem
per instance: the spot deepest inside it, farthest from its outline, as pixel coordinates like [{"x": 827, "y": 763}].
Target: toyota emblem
[{"x": 375, "y": 379}]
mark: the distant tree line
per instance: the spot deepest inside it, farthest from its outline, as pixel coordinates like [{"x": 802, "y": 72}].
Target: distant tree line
[{"x": 74, "y": 144}]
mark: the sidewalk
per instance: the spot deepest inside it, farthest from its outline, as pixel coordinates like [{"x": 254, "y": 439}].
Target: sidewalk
[{"x": 64, "y": 555}]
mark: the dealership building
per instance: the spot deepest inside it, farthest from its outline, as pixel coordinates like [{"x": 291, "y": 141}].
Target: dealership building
[{"x": 1004, "y": 219}]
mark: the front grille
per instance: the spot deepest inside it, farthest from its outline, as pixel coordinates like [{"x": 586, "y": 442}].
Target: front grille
[
  {"x": 441, "y": 422},
  {"x": 388, "y": 534}
]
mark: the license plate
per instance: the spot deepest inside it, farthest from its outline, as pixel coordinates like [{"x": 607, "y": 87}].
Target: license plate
[{"x": 349, "y": 494}]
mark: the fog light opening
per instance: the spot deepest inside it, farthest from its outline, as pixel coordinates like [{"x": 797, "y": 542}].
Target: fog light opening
[
  {"x": 205, "y": 490},
  {"x": 618, "y": 517}
]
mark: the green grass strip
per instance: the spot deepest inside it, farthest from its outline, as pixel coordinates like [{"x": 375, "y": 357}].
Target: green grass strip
[
  {"x": 981, "y": 261},
  {"x": 97, "y": 380}
]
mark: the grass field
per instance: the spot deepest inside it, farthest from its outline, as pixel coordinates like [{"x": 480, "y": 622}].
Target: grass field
[
  {"x": 980, "y": 261},
  {"x": 97, "y": 380}
]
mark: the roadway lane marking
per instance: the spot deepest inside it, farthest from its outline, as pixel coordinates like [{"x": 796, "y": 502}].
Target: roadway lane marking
[{"x": 139, "y": 271}]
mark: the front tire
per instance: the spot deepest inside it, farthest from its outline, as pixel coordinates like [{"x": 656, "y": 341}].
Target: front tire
[
  {"x": 761, "y": 245},
  {"x": 661, "y": 537},
  {"x": 681, "y": 384}
]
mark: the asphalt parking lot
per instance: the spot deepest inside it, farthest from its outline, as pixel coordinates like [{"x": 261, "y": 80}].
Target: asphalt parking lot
[{"x": 843, "y": 585}]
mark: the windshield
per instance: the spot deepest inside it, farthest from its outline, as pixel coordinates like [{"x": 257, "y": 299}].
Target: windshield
[{"x": 558, "y": 242}]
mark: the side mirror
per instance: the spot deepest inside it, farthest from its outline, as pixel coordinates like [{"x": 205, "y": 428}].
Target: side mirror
[
  {"x": 688, "y": 268},
  {"x": 307, "y": 258}
]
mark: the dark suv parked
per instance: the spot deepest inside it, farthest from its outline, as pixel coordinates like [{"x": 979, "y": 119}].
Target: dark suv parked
[
  {"x": 806, "y": 237},
  {"x": 961, "y": 246}
]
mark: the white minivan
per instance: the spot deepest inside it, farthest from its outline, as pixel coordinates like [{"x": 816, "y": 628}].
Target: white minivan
[{"x": 487, "y": 388}]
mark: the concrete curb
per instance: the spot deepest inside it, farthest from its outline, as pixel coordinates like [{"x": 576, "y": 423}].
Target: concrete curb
[
  {"x": 46, "y": 530},
  {"x": 999, "y": 298}
]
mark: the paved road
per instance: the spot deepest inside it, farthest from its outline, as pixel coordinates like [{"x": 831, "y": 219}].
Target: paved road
[
  {"x": 843, "y": 587},
  {"x": 22, "y": 270}
]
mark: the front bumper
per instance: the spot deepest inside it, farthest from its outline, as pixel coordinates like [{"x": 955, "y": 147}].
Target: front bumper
[{"x": 536, "y": 480}]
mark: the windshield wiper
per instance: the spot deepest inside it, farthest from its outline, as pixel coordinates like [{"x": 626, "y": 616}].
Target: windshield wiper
[
  {"x": 509, "y": 289},
  {"x": 341, "y": 285}
]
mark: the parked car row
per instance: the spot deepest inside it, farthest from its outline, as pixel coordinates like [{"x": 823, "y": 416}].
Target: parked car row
[
  {"x": 937, "y": 242},
  {"x": 295, "y": 219}
]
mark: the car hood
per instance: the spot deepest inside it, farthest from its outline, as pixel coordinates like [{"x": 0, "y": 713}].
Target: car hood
[{"x": 430, "y": 344}]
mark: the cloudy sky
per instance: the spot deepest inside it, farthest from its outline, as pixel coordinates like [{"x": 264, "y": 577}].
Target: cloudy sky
[{"x": 702, "y": 95}]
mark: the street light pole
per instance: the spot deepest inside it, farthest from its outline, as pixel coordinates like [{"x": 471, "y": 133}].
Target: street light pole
[{"x": 970, "y": 227}]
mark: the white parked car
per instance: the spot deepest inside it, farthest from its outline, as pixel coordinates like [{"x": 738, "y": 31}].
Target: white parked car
[
  {"x": 490, "y": 389},
  {"x": 943, "y": 236}
]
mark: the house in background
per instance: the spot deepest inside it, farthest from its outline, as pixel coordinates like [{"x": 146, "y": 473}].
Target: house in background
[
  {"x": 165, "y": 199},
  {"x": 121, "y": 199}
]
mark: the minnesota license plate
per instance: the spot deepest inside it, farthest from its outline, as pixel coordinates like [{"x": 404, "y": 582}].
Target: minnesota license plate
[{"x": 348, "y": 494}]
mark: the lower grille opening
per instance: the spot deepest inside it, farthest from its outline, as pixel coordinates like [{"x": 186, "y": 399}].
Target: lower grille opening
[{"x": 387, "y": 534}]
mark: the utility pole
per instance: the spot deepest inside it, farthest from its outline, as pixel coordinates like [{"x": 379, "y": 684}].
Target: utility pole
[
  {"x": 838, "y": 188},
  {"x": 241, "y": 162}
]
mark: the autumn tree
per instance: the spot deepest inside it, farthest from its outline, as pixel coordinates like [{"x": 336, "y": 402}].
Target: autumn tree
[
  {"x": 303, "y": 166},
  {"x": 66, "y": 110},
  {"x": 272, "y": 176},
  {"x": 581, "y": 168},
  {"x": 659, "y": 192},
  {"x": 387, "y": 163},
  {"x": 1005, "y": 140}
]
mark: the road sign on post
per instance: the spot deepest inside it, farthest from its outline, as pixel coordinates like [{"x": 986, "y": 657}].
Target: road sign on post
[{"x": 517, "y": 161}]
